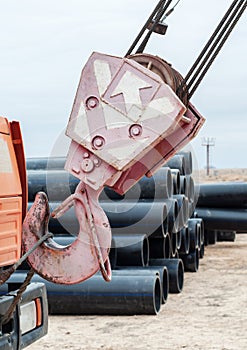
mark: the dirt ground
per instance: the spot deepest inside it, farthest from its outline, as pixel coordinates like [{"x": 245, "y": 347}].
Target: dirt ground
[
  {"x": 210, "y": 313},
  {"x": 221, "y": 175}
]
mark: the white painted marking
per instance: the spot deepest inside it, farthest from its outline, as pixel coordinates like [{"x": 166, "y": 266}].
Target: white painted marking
[
  {"x": 113, "y": 118},
  {"x": 130, "y": 86},
  {"x": 125, "y": 150},
  {"x": 78, "y": 128},
  {"x": 160, "y": 106},
  {"x": 103, "y": 75}
]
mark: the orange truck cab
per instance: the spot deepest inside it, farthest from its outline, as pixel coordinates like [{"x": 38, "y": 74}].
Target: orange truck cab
[
  {"x": 30, "y": 318},
  {"x": 12, "y": 191}
]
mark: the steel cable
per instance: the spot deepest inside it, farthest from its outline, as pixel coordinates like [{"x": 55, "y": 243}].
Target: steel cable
[
  {"x": 218, "y": 38},
  {"x": 155, "y": 11},
  {"x": 156, "y": 20},
  {"x": 218, "y": 49},
  {"x": 5, "y": 274},
  {"x": 6, "y": 318},
  {"x": 210, "y": 41}
]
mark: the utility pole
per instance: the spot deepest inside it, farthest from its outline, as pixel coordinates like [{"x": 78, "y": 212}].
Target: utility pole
[{"x": 208, "y": 142}]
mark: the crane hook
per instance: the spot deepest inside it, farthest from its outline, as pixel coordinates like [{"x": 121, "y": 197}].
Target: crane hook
[{"x": 86, "y": 255}]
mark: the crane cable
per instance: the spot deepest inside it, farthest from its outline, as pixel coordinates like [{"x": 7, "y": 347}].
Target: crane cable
[
  {"x": 170, "y": 11},
  {"x": 7, "y": 273},
  {"x": 159, "y": 14},
  {"x": 137, "y": 39},
  {"x": 216, "y": 41}
]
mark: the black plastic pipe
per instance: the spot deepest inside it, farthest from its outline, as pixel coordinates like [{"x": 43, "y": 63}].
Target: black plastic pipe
[
  {"x": 226, "y": 236},
  {"x": 158, "y": 187},
  {"x": 177, "y": 162},
  {"x": 183, "y": 210},
  {"x": 173, "y": 211},
  {"x": 179, "y": 239},
  {"x": 185, "y": 241},
  {"x": 201, "y": 234},
  {"x": 113, "y": 254},
  {"x": 45, "y": 163},
  {"x": 122, "y": 296},
  {"x": 126, "y": 250},
  {"x": 193, "y": 232},
  {"x": 187, "y": 187},
  {"x": 142, "y": 271},
  {"x": 188, "y": 161},
  {"x": 126, "y": 218},
  {"x": 176, "y": 179},
  {"x": 134, "y": 217},
  {"x": 202, "y": 251},
  {"x": 223, "y": 195},
  {"x": 66, "y": 240},
  {"x": 132, "y": 250},
  {"x": 191, "y": 261},
  {"x": 176, "y": 272},
  {"x": 190, "y": 190},
  {"x": 192, "y": 209},
  {"x": 223, "y": 219},
  {"x": 210, "y": 237},
  {"x": 160, "y": 247},
  {"x": 183, "y": 185},
  {"x": 157, "y": 248},
  {"x": 173, "y": 244},
  {"x": 57, "y": 184}
]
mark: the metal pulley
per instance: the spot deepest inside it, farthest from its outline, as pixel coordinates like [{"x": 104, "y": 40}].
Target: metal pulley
[{"x": 165, "y": 71}]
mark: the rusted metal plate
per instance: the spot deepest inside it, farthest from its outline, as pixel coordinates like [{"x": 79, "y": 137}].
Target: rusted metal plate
[
  {"x": 89, "y": 168},
  {"x": 162, "y": 152},
  {"x": 121, "y": 110},
  {"x": 126, "y": 121}
]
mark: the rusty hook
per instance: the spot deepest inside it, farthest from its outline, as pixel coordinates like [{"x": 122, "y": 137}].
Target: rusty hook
[{"x": 86, "y": 255}]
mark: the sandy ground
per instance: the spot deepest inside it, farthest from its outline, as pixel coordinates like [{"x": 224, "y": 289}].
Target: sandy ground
[
  {"x": 210, "y": 313},
  {"x": 220, "y": 175}
]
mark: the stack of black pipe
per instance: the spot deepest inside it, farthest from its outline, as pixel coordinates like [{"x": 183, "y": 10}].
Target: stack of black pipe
[
  {"x": 223, "y": 207},
  {"x": 190, "y": 235},
  {"x": 154, "y": 239}
]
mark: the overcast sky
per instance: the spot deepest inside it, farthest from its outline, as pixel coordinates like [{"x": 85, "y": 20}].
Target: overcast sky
[{"x": 44, "y": 45}]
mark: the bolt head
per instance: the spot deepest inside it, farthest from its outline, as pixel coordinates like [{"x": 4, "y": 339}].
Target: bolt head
[
  {"x": 87, "y": 165},
  {"x": 92, "y": 102},
  {"x": 96, "y": 162},
  {"x": 98, "y": 142},
  {"x": 135, "y": 130},
  {"x": 85, "y": 155}
]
